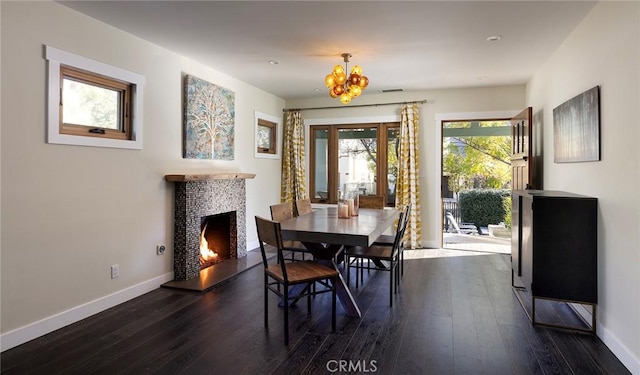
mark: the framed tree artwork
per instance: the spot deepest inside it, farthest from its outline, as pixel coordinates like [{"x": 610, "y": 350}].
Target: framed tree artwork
[{"x": 209, "y": 120}]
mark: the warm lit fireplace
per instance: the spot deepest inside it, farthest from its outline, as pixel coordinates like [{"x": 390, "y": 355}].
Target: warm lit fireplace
[
  {"x": 208, "y": 207},
  {"x": 215, "y": 238}
]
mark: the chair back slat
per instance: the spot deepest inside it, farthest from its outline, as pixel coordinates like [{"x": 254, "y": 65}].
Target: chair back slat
[
  {"x": 281, "y": 211},
  {"x": 407, "y": 212},
  {"x": 303, "y": 206},
  {"x": 371, "y": 201},
  {"x": 399, "y": 233},
  {"x": 269, "y": 233}
]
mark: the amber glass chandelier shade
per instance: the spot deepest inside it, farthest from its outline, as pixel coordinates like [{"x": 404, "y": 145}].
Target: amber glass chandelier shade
[
  {"x": 329, "y": 80},
  {"x": 354, "y": 79},
  {"x": 343, "y": 86},
  {"x": 345, "y": 98},
  {"x": 364, "y": 81}
]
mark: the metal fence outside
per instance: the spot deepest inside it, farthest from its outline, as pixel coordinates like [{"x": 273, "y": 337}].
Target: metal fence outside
[{"x": 451, "y": 205}]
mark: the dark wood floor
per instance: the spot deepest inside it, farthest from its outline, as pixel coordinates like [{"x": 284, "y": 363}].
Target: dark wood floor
[{"x": 455, "y": 315}]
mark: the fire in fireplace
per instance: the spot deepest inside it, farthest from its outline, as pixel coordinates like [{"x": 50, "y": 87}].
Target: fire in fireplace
[{"x": 215, "y": 239}]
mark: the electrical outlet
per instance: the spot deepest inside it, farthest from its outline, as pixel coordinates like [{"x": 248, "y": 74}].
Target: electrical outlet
[
  {"x": 160, "y": 249},
  {"x": 115, "y": 271}
]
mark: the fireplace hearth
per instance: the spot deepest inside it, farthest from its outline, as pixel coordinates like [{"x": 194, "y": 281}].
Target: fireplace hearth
[{"x": 217, "y": 201}]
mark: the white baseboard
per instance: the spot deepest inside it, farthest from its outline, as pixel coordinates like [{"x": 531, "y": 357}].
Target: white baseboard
[
  {"x": 34, "y": 330},
  {"x": 619, "y": 350},
  {"x": 430, "y": 244},
  {"x": 253, "y": 245},
  {"x": 631, "y": 362}
]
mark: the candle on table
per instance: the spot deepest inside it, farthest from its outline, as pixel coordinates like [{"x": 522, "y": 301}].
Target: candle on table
[
  {"x": 343, "y": 210},
  {"x": 351, "y": 207}
]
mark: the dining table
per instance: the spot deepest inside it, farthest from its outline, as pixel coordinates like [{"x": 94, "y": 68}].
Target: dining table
[{"x": 324, "y": 234}]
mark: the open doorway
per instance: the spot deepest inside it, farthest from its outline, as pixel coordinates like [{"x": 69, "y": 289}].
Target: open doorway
[{"x": 476, "y": 184}]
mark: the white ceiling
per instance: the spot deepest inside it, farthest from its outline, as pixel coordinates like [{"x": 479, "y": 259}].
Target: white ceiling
[{"x": 415, "y": 45}]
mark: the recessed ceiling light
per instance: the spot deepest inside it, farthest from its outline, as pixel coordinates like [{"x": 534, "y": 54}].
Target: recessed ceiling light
[
  {"x": 273, "y": 62},
  {"x": 493, "y": 38},
  {"x": 316, "y": 89}
]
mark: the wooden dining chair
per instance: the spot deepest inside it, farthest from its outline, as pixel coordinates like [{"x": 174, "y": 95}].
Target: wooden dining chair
[
  {"x": 303, "y": 206},
  {"x": 284, "y": 211},
  {"x": 356, "y": 255},
  {"x": 281, "y": 211},
  {"x": 279, "y": 277},
  {"x": 389, "y": 239},
  {"x": 371, "y": 201}
]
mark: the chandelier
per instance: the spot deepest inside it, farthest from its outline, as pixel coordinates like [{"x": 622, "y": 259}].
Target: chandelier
[{"x": 345, "y": 87}]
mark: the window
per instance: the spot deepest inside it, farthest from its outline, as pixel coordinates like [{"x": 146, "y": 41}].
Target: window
[
  {"x": 268, "y": 135},
  {"x": 91, "y": 103},
  {"x": 348, "y": 157}
]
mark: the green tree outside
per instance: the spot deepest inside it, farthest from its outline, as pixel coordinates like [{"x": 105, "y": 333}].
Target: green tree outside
[{"x": 477, "y": 162}]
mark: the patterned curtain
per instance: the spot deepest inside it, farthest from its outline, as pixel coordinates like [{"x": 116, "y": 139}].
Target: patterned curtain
[
  {"x": 293, "y": 172},
  {"x": 408, "y": 190}
]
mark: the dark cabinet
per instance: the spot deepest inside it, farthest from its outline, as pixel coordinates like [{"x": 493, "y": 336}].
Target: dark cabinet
[{"x": 554, "y": 246}]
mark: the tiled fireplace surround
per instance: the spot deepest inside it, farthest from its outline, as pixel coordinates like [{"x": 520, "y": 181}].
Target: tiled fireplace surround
[{"x": 200, "y": 196}]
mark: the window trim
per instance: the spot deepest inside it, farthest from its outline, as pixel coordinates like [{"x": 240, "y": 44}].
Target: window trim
[
  {"x": 277, "y": 142},
  {"x": 56, "y": 60},
  {"x": 332, "y": 130}
]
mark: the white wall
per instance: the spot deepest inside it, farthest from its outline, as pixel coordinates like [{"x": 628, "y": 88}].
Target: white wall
[
  {"x": 487, "y": 99},
  {"x": 604, "y": 50},
  {"x": 69, "y": 212}
]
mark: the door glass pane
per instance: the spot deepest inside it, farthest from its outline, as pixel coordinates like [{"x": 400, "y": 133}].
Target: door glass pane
[
  {"x": 357, "y": 157},
  {"x": 321, "y": 157},
  {"x": 393, "y": 148}
]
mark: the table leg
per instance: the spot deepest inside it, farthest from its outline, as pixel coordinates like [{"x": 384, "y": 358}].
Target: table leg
[
  {"x": 346, "y": 298},
  {"x": 324, "y": 254}
]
